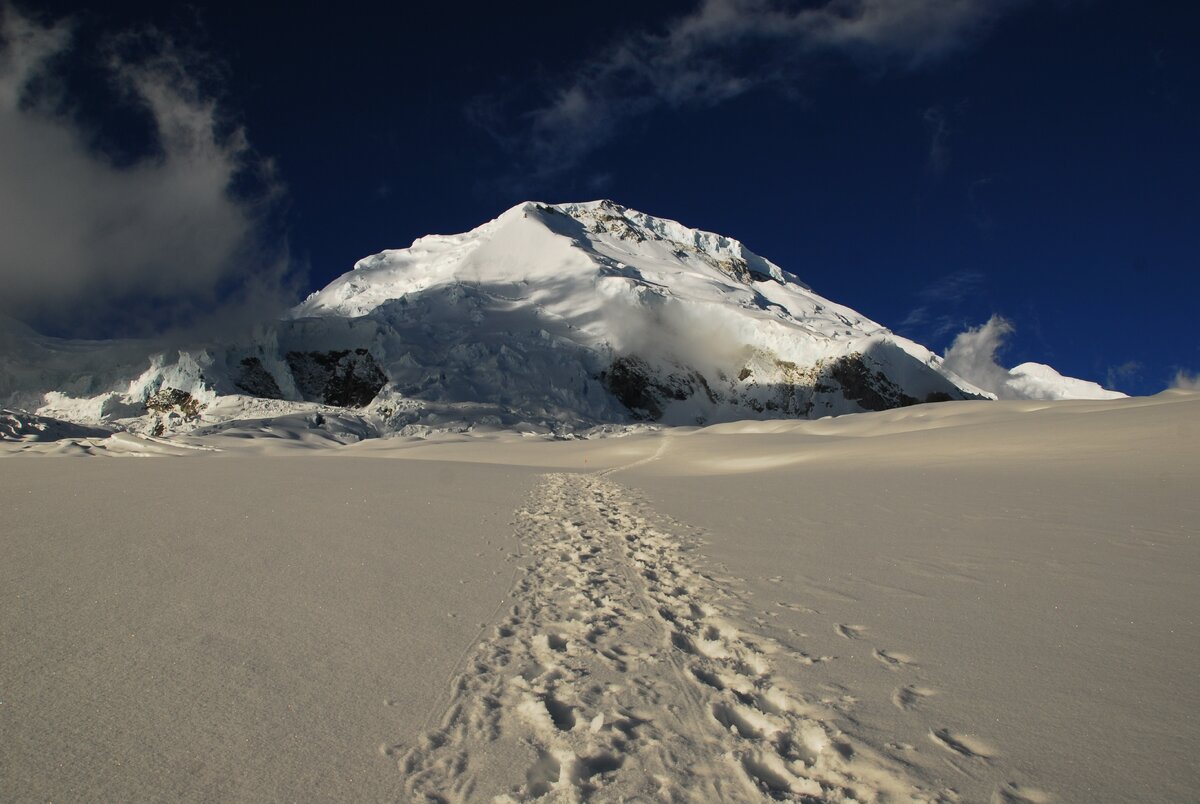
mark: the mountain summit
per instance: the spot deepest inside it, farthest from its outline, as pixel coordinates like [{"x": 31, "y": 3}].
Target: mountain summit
[
  {"x": 588, "y": 313},
  {"x": 550, "y": 317}
]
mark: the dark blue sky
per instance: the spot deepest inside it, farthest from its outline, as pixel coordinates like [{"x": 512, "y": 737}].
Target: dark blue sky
[{"x": 1036, "y": 160}]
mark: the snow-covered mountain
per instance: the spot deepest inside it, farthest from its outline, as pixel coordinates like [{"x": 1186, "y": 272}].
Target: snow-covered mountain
[
  {"x": 1039, "y": 381},
  {"x": 550, "y": 317},
  {"x": 588, "y": 313}
]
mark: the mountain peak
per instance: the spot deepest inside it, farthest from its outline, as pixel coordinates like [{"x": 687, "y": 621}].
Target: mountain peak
[
  {"x": 628, "y": 314},
  {"x": 533, "y": 238}
]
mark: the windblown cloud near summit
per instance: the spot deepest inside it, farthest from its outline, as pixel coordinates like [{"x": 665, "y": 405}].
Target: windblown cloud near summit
[
  {"x": 156, "y": 240},
  {"x": 699, "y": 60}
]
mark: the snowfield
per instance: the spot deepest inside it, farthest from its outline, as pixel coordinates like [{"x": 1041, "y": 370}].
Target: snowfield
[{"x": 968, "y": 600}]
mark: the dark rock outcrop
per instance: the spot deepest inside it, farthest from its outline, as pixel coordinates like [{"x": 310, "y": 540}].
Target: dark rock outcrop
[
  {"x": 794, "y": 391},
  {"x": 255, "y": 380},
  {"x": 344, "y": 378},
  {"x": 870, "y": 389},
  {"x": 636, "y": 386}
]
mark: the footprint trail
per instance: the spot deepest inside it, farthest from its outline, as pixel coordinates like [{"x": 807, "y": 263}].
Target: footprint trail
[{"x": 623, "y": 672}]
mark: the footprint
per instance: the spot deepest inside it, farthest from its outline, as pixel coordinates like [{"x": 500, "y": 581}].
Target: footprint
[
  {"x": 532, "y": 671},
  {"x": 911, "y": 697},
  {"x": 562, "y": 715},
  {"x": 708, "y": 678},
  {"x": 796, "y": 607},
  {"x": 892, "y": 659},
  {"x": 1014, "y": 793},
  {"x": 850, "y": 631},
  {"x": 768, "y": 772},
  {"x": 738, "y": 719},
  {"x": 543, "y": 776},
  {"x": 963, "y": 744},
  {"x": 587, "y": 767}
]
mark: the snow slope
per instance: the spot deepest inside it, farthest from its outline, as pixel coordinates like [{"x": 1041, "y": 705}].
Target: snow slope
[
  {"x": 19, "y": 425},
  {"x": 1039, "y": 381}
]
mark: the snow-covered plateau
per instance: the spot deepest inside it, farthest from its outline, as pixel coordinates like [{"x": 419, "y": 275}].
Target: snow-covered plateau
[
  {"x": 566, "y": 319},
  {"x": 951, "y": 602}
]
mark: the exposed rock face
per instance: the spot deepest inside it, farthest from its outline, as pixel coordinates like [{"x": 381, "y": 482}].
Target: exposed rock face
[
  {"x": 173, "y": 408},
  {"x": 793, "y": 390},
  {"x": 643, "y": 391},
  {"x": 609, "y": 219},
  {"x": 344, "y": 378},
  {"x": 255, "y": 380},
  {"x": 871, "y": 389},
  {"x": 169, "y": 401}
]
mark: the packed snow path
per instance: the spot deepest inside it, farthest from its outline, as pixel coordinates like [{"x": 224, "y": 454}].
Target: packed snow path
[{"x": 622, "y": 672}]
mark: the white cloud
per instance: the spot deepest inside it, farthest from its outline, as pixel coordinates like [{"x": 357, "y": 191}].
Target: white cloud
[
  {"x": 90, "y": 242},
  {"x": 700, "y": 60},
  {"x": 1185, "y": 381},
  {"x": 972, "y": 356}
]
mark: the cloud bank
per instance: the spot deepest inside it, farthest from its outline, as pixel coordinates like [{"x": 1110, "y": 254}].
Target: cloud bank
[
  {"x": 723, "y": 49},
  {"x": 95, "y": 244}
]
